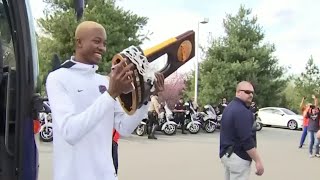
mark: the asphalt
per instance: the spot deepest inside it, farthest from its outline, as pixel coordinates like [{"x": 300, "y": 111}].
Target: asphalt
[{"x": 191, "y": 157}]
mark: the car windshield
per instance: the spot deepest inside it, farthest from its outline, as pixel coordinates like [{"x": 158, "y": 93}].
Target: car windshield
[{"x": 287, "y": 111}]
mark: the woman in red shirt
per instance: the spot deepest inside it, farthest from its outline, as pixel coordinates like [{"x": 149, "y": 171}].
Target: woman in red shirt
[{"x": 304, "y": 109}]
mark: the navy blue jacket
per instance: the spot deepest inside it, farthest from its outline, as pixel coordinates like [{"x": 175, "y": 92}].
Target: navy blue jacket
[{"x": 236, "y": 129}]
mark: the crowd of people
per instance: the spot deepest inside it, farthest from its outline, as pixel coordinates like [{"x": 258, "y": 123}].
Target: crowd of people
[{"x": 311, "y": 126}]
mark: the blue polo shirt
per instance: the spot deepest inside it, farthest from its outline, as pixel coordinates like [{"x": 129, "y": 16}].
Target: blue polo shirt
[{"x": 236, "y": 129}]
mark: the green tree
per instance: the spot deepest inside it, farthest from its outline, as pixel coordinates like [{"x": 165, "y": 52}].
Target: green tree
[
  {"x": 240, "y": 55},
  {"x": 58, "y": 26},
  {"x": 291, "y": 96},
  {"x": 308, "y": 82}
]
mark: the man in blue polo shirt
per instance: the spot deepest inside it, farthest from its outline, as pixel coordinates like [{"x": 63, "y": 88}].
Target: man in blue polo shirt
[{"x": 237, "y": 147}]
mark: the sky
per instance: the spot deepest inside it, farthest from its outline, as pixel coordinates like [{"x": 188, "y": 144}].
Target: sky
[{"x": 292, "y": 25}]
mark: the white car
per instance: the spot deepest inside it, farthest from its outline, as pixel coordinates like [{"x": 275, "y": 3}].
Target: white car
[{"x": 281, "y": 117}]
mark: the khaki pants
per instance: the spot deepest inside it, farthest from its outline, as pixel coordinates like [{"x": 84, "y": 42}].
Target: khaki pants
[{"x": 236, "y": 168}]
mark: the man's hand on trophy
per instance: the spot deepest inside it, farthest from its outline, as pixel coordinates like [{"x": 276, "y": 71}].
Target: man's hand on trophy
[
  {"x": 159, "y": 83},
  {"x": 120, "y": 79}
]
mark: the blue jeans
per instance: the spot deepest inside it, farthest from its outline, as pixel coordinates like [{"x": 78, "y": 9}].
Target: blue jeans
[
  {"x": 313, "y": 141},
  {"x": 304, "y": 135}
]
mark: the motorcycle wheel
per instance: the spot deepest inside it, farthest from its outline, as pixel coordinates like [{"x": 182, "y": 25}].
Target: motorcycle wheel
[
  {"x": 141, "y": 130},
  {"x": 209, "y": 127},
  {"x": 194, "y": 128},
  {"x": 170, "y": 129},
  {"x": 259, "y": 126},
  {"x": 46, "y": 135}
]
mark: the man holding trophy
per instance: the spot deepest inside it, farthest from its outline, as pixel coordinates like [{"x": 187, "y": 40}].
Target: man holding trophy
[{"x": 87, "y": 106}]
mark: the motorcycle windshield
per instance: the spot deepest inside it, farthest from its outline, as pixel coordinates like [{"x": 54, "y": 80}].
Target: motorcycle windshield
[
  {"x": 212, "y": 110},
  {"x": 168, "y": 111}
]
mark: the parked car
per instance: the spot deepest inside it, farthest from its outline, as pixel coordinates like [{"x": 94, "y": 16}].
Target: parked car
[{"x": 280, "y": 117}]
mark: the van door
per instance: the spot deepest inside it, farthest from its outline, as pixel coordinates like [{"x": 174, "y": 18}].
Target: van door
[{"x": 18, "y": 71}]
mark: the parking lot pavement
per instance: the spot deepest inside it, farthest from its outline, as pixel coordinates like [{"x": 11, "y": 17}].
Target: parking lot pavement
[{"x": 192, "y": 157}]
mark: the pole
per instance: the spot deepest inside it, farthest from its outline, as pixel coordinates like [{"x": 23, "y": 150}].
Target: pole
[{"x": 197, "y": 68}]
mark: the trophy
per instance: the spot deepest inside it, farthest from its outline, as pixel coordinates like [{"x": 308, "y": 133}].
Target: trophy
[{"x": 179, "y": 50}]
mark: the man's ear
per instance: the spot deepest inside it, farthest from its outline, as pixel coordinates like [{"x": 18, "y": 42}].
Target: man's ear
[{"x": 78, "y": 43}]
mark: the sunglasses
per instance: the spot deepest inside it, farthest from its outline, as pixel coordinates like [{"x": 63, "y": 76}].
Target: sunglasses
[{"x": 248, "y": 91}]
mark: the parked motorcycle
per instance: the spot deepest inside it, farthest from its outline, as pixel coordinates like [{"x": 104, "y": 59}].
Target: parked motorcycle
[
  {"x": 141, "y": 130},
  {"x": 166, "y": 121},
  {"x": 218, "y": 121},
  {"x": 45, "y": 118},
  {"x": 209, "y": 118},
  {"x": 258, "y": 122},
  {"x": 192, "y": 119}
]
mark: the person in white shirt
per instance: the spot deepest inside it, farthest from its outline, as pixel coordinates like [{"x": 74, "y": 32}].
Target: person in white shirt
[{"x": 85, "y": 110}]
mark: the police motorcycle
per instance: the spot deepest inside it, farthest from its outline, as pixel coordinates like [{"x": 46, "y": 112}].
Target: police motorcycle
[
  {"x": 142, "y": 128},
  {"x": 193, "y": 119},
  {"x": 209, "y": 119},
  {"x": 218, "y": 121},
  {"x": 166, "y": 121},
  {"x": 258, "y": 122},
  {"x": 219, "y": 117},
  {"x": 45, "y": 118}
]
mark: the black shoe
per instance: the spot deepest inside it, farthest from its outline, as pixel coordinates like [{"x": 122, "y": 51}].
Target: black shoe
[
  {"x": 300, "y": 146},
  {"x": 184, "y": 132},
  {"x": 152, "y": 137}
]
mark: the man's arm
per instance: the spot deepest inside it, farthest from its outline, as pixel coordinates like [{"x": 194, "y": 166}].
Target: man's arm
[
  {"x": 253, "y": 153},
  {"x": 124, "y": 123},
  {"x": 71, "y": 125},
  {"x": 243, "y": 126}
]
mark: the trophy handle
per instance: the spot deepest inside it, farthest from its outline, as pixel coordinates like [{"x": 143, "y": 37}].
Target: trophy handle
[{"x": 179, "y": 49}]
